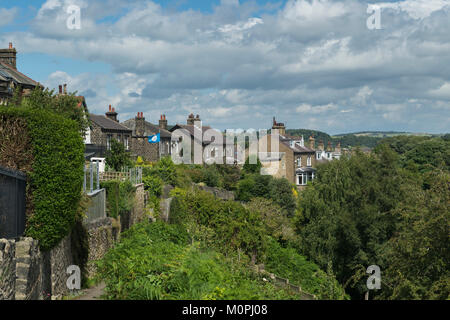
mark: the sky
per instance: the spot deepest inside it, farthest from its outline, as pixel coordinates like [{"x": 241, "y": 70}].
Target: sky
[{"x": 312, "y": 64}]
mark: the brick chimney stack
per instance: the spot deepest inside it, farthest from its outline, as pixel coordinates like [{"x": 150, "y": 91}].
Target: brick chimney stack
[
  {"x": 278, "y": 127},
  {"x": 320, "y": 146},
  {"x": 65, "y": 88},
  {"x": 9, "y": 56},
  {"x": 112, "y": 114},
  {"x": 312, "y": 142},
  {"x": 329, "y": 147},
  {"x": 190, "y": 119},
  {"x": 60, "y": 89},
  {"x": 140, "y": 124},
  {"x": 163, "y": 122},
  {"x": 337, "y": 149}
]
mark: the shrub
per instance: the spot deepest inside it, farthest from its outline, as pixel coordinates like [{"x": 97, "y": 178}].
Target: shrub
[
  {"x": 153, "y": 184},
  {"x": 119, "y": 197},
  {"x": 117, "y": 157},
  {"x": 56, "y": 178}
]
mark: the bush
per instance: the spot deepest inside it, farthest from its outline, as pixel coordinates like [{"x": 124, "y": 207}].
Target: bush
[
  {"x": 153, "y": 184},
  {"x": 119, "y": 197},
  {"x": 56, "y": 179}
]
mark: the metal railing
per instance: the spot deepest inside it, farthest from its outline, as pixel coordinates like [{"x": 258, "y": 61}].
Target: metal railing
[
  {"x": 134, "y": 175},
  {"x": 12, "y": 203},
  {"x": 91, "y": 182}
]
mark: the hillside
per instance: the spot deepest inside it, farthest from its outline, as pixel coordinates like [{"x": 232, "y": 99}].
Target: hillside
[{"x": 346, "y": 140}]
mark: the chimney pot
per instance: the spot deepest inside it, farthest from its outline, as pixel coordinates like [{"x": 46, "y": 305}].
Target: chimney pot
[
  {"x": 110, "y": 108},
  {"x": 60, "y": 89},
  {"x": 10, "y": 45}
]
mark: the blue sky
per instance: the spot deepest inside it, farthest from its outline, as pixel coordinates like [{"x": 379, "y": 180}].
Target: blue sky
[{"x": 311, "y": 63}]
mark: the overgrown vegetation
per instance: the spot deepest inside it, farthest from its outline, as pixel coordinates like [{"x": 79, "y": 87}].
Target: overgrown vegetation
[
  {"x": 54, "y": 128},
  {"x": 389, "y": 209},
  {"x": 119, "y": 197}
]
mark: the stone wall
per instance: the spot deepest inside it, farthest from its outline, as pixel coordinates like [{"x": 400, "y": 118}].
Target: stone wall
[
  {"x": 26, "y": 273},
  {"x": 138, "y": 211},
  {"x": 218, "y": 192},
  {"x": 7, "y": 269},
  {"x": 102, "y": 236},
  {"x": 61, "y": 258},
  {"x": 29, "y": 270}
]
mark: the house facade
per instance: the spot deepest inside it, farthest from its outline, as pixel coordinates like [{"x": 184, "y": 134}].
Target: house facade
[
  {"x": 290, "y": 159},
  {"x": 103, "y": 129},
  {"x": 208, "y": 142},
  {"x": 141, "y": 130},
  {"x": 11, "y": 78}
]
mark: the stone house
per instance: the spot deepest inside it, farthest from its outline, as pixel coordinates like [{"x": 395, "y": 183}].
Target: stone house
[
  {"x": 210, "y": 143},
  {"x": 103, "y": 129},
  {"x": 11, "y": 78},
  {"x": 141, "y": 130},
  {"x": 293, "y": 160}
]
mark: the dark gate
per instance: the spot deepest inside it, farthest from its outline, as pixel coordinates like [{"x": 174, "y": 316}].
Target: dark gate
[{"x": 12, "y": 203}]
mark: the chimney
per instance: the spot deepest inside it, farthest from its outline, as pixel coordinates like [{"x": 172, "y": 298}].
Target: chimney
[
  {"x": 65, "y": 89},
  {"x": 320, "y": 146},
  {"x": 112, "y": 114},
  {"x": 190, "y": 119},
  {"x": 279, "y": 127},
  {"x": 9, "y": 55},
  {"x": 337, "y": 149},
  {"x": 163, "y": 122},
  {"x": 198, "y": 122},
  {"x": 329, "y": 147},
  {"x": 60, "y": 89},
  {"x": 312, "y": 142},
  {"x": 140, "y": 124}
]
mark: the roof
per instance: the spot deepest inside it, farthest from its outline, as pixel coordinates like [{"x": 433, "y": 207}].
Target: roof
[
  {"x": 150, "y": 128},
  {"x": 107, "y": 124},
  {"x": 192, "y": 130},
  {"x": 296, "y": 148},
  {"x": 8, "y": 73}
]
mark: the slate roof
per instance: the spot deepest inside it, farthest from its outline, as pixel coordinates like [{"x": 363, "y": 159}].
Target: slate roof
[
  {"x": 296, "y": 148},
  {"x": 107, "y": 124},
  {"x": 191, "y": 129},
  {"x": 8, "y": 73},
  {"x": 150, "y": 129}
]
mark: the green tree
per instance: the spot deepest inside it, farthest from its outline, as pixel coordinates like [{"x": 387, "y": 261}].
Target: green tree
[{"x": 117, "y": 157}]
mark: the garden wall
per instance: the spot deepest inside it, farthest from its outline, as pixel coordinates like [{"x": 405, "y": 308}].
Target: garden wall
[{"x": 27, "y": 273}]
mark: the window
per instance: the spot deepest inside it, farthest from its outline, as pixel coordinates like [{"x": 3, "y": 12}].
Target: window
[
  {"x": 308, "y": 162},
  {"x": 108, "y": 141},
  {"x": 319, "y": 155},
  {"x": 125, "y": 142},
  {"x": 299, "y": 162}
]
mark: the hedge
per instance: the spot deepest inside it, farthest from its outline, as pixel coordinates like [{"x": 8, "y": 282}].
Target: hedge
[{"x": 56, "y": 178}]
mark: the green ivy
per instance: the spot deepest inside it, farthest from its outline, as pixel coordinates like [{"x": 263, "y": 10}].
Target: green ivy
[{"x": 56, "y": 179}]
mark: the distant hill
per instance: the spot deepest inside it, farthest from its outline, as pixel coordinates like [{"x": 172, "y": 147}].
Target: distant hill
[
  {"x": 346, "y": 140},
  {"x": 382, "y": 134}
]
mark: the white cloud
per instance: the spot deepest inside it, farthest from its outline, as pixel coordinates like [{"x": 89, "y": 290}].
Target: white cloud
[
  {"x": 7, "y": 15},
  {"x": 299, "y": 63}
]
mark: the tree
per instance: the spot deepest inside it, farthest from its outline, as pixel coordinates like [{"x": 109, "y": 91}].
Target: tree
[
  {"x": 117, "y": 157},
  {"x": 253, "y": 168},
  {"x": 346, "y": 216},
  {"x": 418, "y": 254}
]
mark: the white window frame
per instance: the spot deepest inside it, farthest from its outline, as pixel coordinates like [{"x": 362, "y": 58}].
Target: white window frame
[{"x": 308, "y": 161}]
